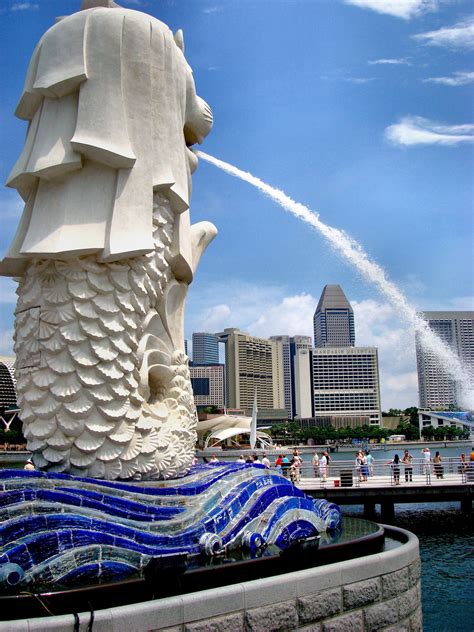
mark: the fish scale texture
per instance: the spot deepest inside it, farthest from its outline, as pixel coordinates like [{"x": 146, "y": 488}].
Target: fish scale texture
[{"x": 103, "y": 391}]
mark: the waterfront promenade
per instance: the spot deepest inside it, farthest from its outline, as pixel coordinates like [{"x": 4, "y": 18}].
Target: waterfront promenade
[{"x": 381, "y": 488}]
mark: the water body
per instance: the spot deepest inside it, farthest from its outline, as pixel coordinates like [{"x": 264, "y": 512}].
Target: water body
[
  {"x": 353, "y": 252},
  {"x": 447, "y": 562}
]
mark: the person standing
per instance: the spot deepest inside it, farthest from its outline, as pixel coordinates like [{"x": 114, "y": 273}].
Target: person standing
[
  {"x": 278, "y": 462},
  {"x": 365, "y": 467},
  {"x": 315, "y": 462},
  {"x": 395, "y": 465},
  {"x": 370, "y": 462},
  {"x": 407, "y": 461},
  {"x": 266, "y": 461},
  {"x": 438, "y": 468},
  {"x": 241, "y": 459},
  {"x": 323, "y": 466},
  {"x": 426, "y": 454}
]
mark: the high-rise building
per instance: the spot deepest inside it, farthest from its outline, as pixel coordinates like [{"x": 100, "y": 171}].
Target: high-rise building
[
  {"x": 208, "y": 385},
  {"x": 205, "y": 348},
  {"x": 333, "y": 319},
  {"x": 346, "y": 384},
  {"x": 252, "y": 364},
  {"x": 304, "y": 400},
  {"x": 436, "y": 388},
  {"x": 290, "y": 346}
]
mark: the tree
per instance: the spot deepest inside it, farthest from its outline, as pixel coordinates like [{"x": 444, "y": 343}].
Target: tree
[{"x": 428, "y": 432}]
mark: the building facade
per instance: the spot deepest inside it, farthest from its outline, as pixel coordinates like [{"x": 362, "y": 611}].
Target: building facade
[
  {"x": 290, "y": 345},
  {"x": 208, "y": 382},
  {"x": 436, "y": 388},
  {"x": 333, "y": 319},
  {"x": 253, "y": 364},
  {"x": 205, "y": 348},
  {"x": 346, "y": 384}
]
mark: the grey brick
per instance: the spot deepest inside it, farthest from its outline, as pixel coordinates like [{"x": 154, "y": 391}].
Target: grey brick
[
  {"x": 361, "y": 593},
  {"x": 319, "y": 606},
  {"x": 408, "y": 602},
  {"x": 353, "y": 621},
  {"x": 414, "y": 572},
  {"x": 175, "y": 628},
  {"x": 381, "y": 615},
  {"x": 227, "y": 623},
  {"x": 395, "y": 583},
  {"x": 312, "y": 627},
  {"x": 280, "y": 617},
  {"x": 400, "y": 627},
  {"x": 416, "y": 621}
]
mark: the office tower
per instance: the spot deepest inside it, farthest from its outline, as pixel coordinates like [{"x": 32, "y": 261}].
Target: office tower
[
  {"x": 205, "y": 348},
  {"x": 252, "y": 363},
  {"x": 208, "y": 385},
  {"x": 290, "y": 345},
  {"x": 333, "y": 319},
  {"x": 436, "y": 388},
  {"x": 346, "y": 385},
  {"x": 303, "y": 384}
]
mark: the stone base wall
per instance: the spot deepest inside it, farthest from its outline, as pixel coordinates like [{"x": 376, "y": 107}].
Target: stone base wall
[{"x": 376, "y": 592}]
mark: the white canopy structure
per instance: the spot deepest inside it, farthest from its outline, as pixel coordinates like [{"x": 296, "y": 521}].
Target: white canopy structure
[{"x": 226, "y": 427}]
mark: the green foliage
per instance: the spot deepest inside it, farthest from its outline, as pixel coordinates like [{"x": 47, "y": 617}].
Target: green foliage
[{"x": 290, "y": 432}]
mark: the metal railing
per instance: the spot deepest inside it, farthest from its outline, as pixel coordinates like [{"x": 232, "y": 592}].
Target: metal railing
[{"x": 380, "y": 473}]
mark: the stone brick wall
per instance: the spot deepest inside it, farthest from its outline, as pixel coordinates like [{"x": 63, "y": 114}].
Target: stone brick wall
[{"x": 367, "y": 594}]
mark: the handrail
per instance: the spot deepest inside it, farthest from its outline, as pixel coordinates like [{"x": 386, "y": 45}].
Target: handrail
[{"x": 381, "y": 473}]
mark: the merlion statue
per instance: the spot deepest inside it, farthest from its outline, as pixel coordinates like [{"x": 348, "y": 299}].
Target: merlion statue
[{"x": 105, "y": 251}]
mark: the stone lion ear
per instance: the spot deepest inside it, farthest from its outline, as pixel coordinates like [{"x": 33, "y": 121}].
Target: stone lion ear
[{"x": 179, "y": 40}]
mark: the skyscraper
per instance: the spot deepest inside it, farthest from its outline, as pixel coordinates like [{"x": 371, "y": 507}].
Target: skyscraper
[
  {"x": 252, "y": 363},
  {"x": 208, "y": 385},
  {"x": 205, "y": 348},
  {"x": 346, "y": 385},
  {"x": 290, "y": 346},
  {"x": 333, "y": 319},
  {"x": 436, "y": 388}
]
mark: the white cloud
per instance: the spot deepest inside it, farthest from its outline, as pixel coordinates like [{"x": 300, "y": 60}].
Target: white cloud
[
  {"x": 416, "y": 130},
  {"x": 359, "y": 80},
  {"x": 24, "y": 6},
  {"x": 216, "y": 317},
  {"x": 389, "y": 62},
  {"x": 291, "y": 316},
  {"x": 459, "y": 78},
  {"x": 212, "y": 9},
  {"x": 6, "y": 343},
  {"x": 404, "y": 9},
  {"x": 461, "y": 35}
]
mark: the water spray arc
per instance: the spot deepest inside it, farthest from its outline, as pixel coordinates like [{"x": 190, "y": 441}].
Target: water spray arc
[{"x": 353, "y": 252}]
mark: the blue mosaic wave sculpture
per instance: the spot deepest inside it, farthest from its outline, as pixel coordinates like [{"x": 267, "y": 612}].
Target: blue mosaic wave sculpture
[{"x": 68, "y": 531}]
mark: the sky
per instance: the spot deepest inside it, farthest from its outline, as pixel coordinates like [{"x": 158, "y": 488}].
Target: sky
[{"x": 360, "y": 109}]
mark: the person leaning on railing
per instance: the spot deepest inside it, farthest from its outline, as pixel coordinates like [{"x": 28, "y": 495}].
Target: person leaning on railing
[{"x": 407, "y": 461}]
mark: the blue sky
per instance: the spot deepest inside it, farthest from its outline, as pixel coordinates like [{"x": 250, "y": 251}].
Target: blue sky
[{"x": 360, "y": 109}]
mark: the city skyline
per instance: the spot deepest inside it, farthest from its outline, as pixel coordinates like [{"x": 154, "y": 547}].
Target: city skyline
[{"x": 375, "y": 133}]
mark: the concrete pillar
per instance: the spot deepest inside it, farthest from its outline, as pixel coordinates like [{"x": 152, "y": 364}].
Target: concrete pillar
[
  {"x": 387, "y": 510},
  {"x": 369, "y": 509}
]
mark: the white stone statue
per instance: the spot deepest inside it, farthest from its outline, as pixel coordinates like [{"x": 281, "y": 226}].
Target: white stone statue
[{"x": 104, "y": 251}]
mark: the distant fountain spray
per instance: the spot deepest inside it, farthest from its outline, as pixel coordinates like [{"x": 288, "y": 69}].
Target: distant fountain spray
[{"x": 355, "y": 254}]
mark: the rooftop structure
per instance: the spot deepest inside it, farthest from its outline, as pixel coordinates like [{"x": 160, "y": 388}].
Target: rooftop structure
[{"x": 333, "y": 319}]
